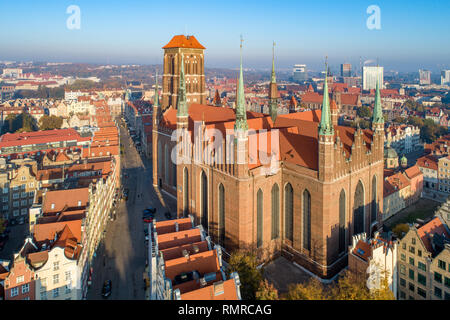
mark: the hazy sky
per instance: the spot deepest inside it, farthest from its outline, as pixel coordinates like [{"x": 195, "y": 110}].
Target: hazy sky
[{"x": 414, "y": 34}]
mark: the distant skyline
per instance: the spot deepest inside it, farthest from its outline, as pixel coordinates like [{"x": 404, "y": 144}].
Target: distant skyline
[{"x": 413, "y": 34}]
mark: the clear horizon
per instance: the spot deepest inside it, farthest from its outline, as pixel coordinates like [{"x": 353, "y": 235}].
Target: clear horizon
[{"x": 115, "y": 32}]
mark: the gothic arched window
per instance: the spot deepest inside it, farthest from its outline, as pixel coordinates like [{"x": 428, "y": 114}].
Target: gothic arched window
[
  {"x": 204, "y": 197},
  {"x": 358, "y": 211},
  {"x": 275, "y": 211},
  {"x": 221, "y": 214},
  {"x": 342, "y": 227},
  {"x": 288, "y": 212},
  {"x": 259, "y": 218},
  {"x": 374, "y": 209},
  {"x": 306, "y": 220},
  {"x": 185, "y": 192}
]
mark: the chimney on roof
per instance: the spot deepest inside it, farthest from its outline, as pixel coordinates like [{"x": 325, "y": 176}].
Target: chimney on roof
[
  {"x": 196, "y": 249},
  {"x": 176, "y": 227},
  {"x": 185, "y": 253},
  {"x": 218, "y": 288}
]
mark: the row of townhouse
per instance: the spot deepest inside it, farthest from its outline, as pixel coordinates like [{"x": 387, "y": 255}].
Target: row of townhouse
[
  {"x": 417, "y": 266},
  {"x": 185, "y": 265},
  {"x": 403, "y": 138},
  {"x": 400, "y": 190},
  {"x": 66, "y": 227},
  {"x": 436, "y": 170}
]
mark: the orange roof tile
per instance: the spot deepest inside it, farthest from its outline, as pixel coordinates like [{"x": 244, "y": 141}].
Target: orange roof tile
[
  {"x": 47, "y": 231},
  {"x": 363, "y": 250},
  {"x": 413, "y": 172},
  {"x": 207, "y": 293},
  {"x": 181, "y": 41},
  {"x": 432, "y": 227},
  {"x": 203, "y": 262},
  {"x": 56, "y": 201}
]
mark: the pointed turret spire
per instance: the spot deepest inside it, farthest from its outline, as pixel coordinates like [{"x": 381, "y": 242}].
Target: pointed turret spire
[
  {"x": 325, "y": 127},
  {"x": 181, "y": 104},
  {"x": 377, "y": 117},
  {"x": 241, "y": 110},
  {"x": 273, "y": 77},
  {"x": 217, "y": 102},
  {"x": 273, "y": 90}
]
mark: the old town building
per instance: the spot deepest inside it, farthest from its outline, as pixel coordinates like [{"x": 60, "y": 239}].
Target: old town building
[
  {"x": 424, "y": 262},
  {"x": 275, "y": 181},
  {"x": 373, "y": 260}
]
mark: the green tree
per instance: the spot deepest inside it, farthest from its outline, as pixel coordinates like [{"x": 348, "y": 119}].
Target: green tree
[
  {"x": 364, "y": 112},
  {"x": 266, "y": 291},
  {"x": 50, "y": 122},
  {"x": 22, "y": 122},
  {"x": 400, "y": 120},
  {"x": 382, "y": 293},
  {"x": 349, "y": 287},
  {"x": 416, "y": 121},
  {"x": 245, "y": 264},
  {"x": 399, "y": 229},
  {"x": 311, "y": 290}
]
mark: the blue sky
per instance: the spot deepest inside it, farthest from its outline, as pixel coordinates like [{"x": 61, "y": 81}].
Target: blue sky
[{"x": 413, "y": 34}]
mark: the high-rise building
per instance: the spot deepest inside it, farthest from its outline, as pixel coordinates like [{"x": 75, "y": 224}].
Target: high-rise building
[
  {"x": 194, "y": 69},
  {"x": 425, "y": 77},
  {"x": 445, "y": 77},
  {"x": 300, "y": 72},
  {"x": 372, "y": 75},
  {"x": 346, "y": 70}
]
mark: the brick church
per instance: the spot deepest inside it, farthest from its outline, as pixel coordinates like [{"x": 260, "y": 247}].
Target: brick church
[{"x": 297, "y": 184}]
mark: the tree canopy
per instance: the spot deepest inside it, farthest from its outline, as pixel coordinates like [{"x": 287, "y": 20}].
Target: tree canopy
[
  {"x": 50, "y": 122},
  {"x": 245, "y": 264},
  {"x": 364, "y": 112},
  {"x": 22, "y": 122},
  {"x": 266, "y": 291},
  {"x": 347, "y": 287}
]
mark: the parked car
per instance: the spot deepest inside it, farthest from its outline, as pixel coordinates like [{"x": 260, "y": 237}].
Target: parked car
[
  {"x": 151, "y": 209},
  {"x": 148, "y": 220},
  {"x": 147, "y": 214},
  {"x": 106, "y": 290}
]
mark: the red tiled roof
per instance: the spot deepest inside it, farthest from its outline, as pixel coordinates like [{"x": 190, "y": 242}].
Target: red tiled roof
[
  {"x": 311, "y": 97},
  {"x": 181, "y": 41},
  {"x": 413, "y": 172},
  {"x": 168, "y": 226},
  {"x": 428, "y": 161},
  {"x": 432, "y": 227},
  {"x": 47, "y": 231},
  {"x": 363, "y": 250},
  {"x": 207, "y": 293},
  {"x": 38, "y": 137},
  {"x": 349, "y": 99},
  {"x": 203, "y": 262},
  {"x": 65, "y": 199}
]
